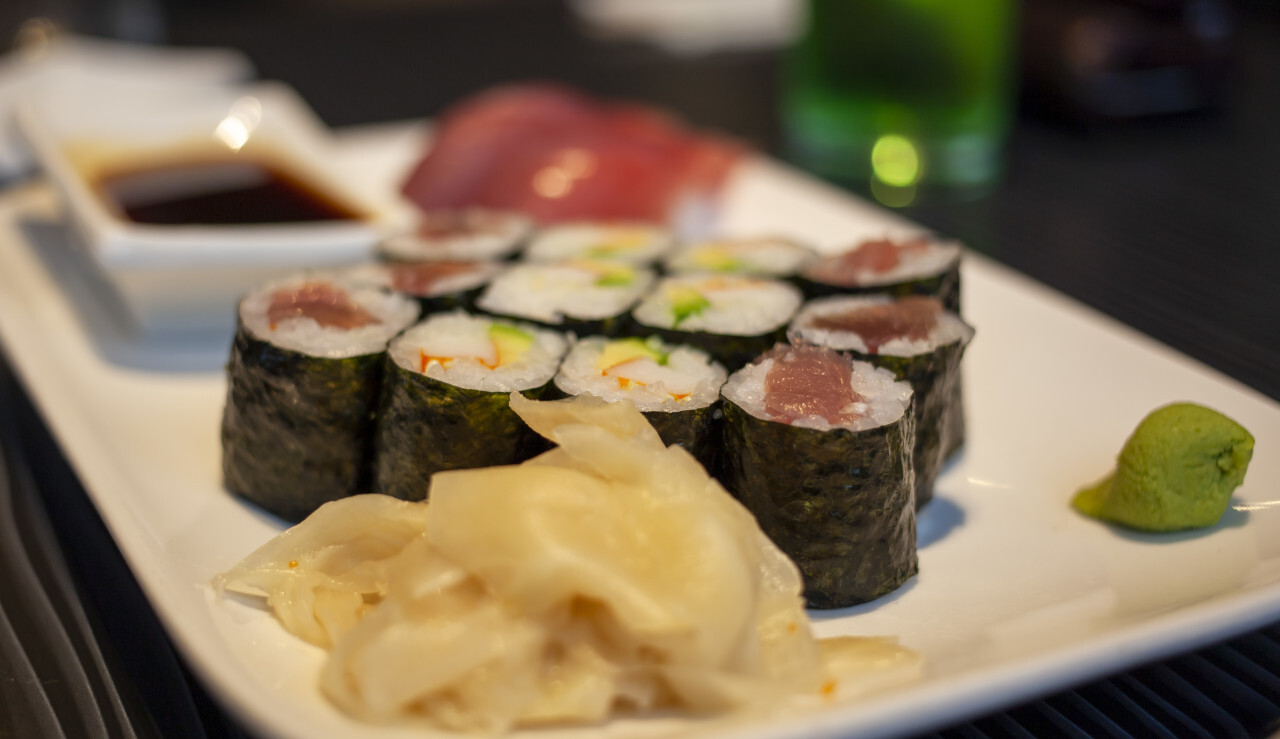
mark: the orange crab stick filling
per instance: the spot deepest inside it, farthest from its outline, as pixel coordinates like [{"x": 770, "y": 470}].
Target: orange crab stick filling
[
  {"x": 642, "y": 363},
  {"x": 498, "y": 346}
]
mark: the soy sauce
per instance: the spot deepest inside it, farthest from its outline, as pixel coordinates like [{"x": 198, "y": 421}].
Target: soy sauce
[{"x": 221, "y": 192}]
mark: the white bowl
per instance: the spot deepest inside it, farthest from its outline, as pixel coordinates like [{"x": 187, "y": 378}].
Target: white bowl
[{"x": 191, "y": 275}]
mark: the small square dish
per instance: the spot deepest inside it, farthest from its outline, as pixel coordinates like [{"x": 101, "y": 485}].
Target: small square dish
[{"x": 185, "y": 201}]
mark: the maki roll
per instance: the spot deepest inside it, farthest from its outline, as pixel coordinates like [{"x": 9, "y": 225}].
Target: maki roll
[
  {"x": 580, "y": 295},
  {"x": 733, "y": 318},
  {"x": 639, "y": 244},
  {"x": 465, "y": 234},
  {"x": 676, "y": 387},
  {"x": 761, "y": 257},
  {"x": 917, "y": 340},
  {"x": 437, "y": 286},
  {"x": 302, "y": 388},
  {"x": 918, "y": 266},
  {"x": 445, "y": 398},
  {"x": 818, "y": 447}
]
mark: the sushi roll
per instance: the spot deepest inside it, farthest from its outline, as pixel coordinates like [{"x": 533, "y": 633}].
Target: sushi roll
[
  {"x": 761, "y": 257},
  {"x": 446, "y": 393},
  {"x": 733, "y": 318},
  {"x": 916, "y": 266},
  {"x": 465, "y": 234},
  {"x": 917, "y": 340},
  {"x": 818, "y": 447},
  {"x": 584, "y": 296},
  {"x": 676, "y": 387},
  {"x": 437, "y": 286},
  {"x": 302, "y": 387},
  {"x": 639, "y": 244}
]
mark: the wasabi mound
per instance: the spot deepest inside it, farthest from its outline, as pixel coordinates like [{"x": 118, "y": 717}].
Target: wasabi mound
[{"x": 1177, "y": 471}]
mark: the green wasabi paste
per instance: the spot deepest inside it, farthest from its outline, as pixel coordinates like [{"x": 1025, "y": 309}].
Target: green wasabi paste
[{"x": 1177, "y": 471}]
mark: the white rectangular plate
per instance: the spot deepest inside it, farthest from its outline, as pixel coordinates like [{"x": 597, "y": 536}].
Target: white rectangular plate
[{"x": 1017, "y": 594}]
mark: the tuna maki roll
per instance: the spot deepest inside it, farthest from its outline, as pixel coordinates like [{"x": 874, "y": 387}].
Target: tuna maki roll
[
  {"x": 762, "y": 257},
  {"x": 639, "y": 244},
  {"x": 579, "y": 295},
  {"x": 676, "y": 387},
  {"x": 733, "y": 318},
  {"x": 917, "y": 340},
  {"x": 302, "y": 388},
  {"x": 917, "y": 266},
  {"x": 445, "y": 398},
  {"x": 437, "y": 286},
  {"x": 818, "y": 447},
  {"x": 465, "y": 234}
]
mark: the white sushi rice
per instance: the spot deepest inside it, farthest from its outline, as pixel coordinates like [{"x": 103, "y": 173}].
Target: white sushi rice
[
  {"x": 633, "y": 243},
  {"x": 697, "y": 374},
  {"x": 379, "y": 274},
  {"x": 302, "y": 334},
  {"x": 738, "y": 305},
  {"x": 554, "y": 291},
  {"x": 884, "y": 398},
  {"x": 454, "y": 334},
  {"x": 489, "y": 234},
  {"x": 948, "y": 329},
  {"x": 774, "y": 257},
  {"x": 936, "y": 258}
]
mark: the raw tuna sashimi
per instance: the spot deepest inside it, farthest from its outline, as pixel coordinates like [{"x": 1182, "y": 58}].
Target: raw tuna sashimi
[
  {"x": 809, "y": 381},
  {"x": 558, "y": 155},
  {"x": 912, "y": 318},
  {"x": 419, "y": 278},
  {"x": 326, "y": 304},
  {"x": 881, "y": 255}
]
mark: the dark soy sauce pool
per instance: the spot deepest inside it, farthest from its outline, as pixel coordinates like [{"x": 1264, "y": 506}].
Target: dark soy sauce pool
[{"x": 217, "y": 192}]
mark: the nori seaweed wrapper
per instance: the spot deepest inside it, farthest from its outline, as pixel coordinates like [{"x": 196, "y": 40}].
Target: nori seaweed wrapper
[
  {"x": 297, "y": 430},
  {"x": 734, "y": 352},
  {"x": 939, "y": 413},
  {"x": 839, "y": 503},
  {"x": 695, "y": 429},
  {"x": 461, "y": 300},
  {"x": 954, "y": 424},
  {"x": 427, "y": 425},
  {"x": 945, "y": 286}
]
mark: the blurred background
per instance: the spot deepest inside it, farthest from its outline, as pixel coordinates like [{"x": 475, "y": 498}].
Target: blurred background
[{"x": 1139, "y": 144}]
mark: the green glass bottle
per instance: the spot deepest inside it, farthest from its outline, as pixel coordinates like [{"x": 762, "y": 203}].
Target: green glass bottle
[{"x": 910, "y": 98}]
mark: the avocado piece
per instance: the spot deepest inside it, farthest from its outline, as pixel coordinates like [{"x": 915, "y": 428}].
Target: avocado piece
[
  {"x": 686, "y": 303},
  {"x": 617, "y": 242},
  {"x": 1177, "y": 471},
  {"x": 615, "y": 276},
  {"x": 624, "y": 350},
  {"x": 718, "y": 259},
  {"x": 510, "y": 342}
]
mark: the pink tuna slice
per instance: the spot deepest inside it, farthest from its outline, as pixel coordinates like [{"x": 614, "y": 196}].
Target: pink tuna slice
[
  {"x": 322, "y": 302},
  {"x": 419, "y": 278},
  {"x": 910, "y": 318},
  {"x": 877, "y": 256},
  {"x": 809, "y": 381},
  {"x": 558, "y": 155},
  {"x": 447, "y": 224}
]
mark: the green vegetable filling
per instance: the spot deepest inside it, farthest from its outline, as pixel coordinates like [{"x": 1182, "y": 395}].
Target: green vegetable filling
[{"x": 686, "y": 303}]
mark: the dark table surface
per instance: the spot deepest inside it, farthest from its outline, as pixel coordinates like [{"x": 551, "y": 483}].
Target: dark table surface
[{"x": 1168, "y": 224}]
